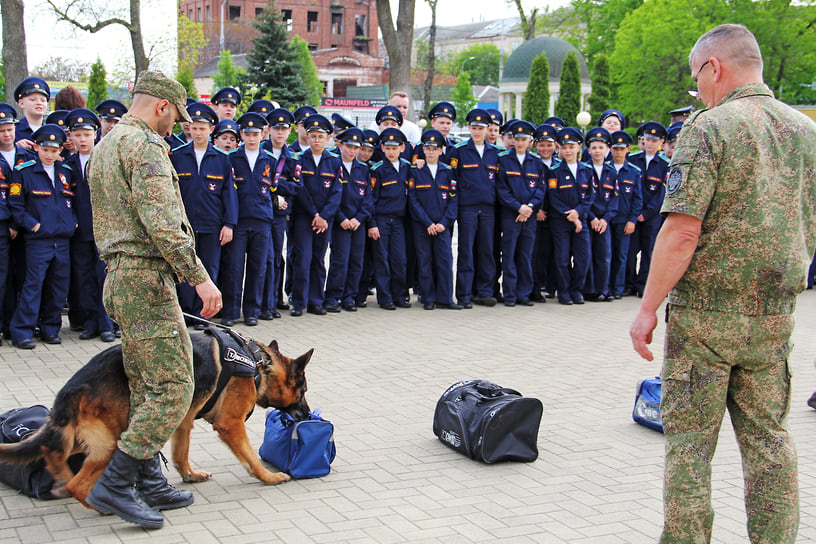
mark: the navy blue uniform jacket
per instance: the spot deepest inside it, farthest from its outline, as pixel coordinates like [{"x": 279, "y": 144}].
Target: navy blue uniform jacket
[
  {"x": 33, "y": 200},
  {"x": 390, "y": 189},
  {"x": 521, "y": 183},
  {"x": 433, "y": 200},
  {"x": 475, "y": 176},
  {"x": 568, "y": 193},
  {"x": 209, "y": 193},
  {"x": 321, "y": 190},
  {"x": 357, "y": 202}
]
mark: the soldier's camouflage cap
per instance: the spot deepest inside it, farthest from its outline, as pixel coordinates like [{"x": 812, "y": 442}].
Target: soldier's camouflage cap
[{"x": 159, "y": 85}]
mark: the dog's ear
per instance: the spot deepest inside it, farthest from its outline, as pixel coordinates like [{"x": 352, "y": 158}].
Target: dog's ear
[
  {"x": 301, "y": 362},
  {"x": 273, "y": 345}
]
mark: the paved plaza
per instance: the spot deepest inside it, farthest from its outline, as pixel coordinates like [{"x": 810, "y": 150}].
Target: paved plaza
[{"x": 377, "y": 375}]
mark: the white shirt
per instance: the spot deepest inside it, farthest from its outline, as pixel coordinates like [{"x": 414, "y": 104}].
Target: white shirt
[
  {"x": 50, "y": 171},
  {"x": 317, "y": 160},
  {"x": 574, "y": 169},
  {"x": 252, "y": 157},
  {"x": 480, "y": 149},
  {"x": 598, "y": 169},
  {"x": 9, "y": 156},
  {"x": 200, "y": 155},
  {"x": 433, "y": 168}
]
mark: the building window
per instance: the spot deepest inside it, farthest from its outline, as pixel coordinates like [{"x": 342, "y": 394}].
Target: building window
[
  {"x": 361, "y": 46},
  {"x": 198, "y": 15},
  {"x": 190, "y": 15},
  {"x": 360, "y": 25},
  {"x": 206, "y": 13},
  {"x": 259, "y": 12},
  {"x": 311, "y": 21},
  {"x": 312, "y": 47},
  {"x": 286, "y": 15},
  {"x": 234, "y": 12},
  {"x": 337, "y": 23}
]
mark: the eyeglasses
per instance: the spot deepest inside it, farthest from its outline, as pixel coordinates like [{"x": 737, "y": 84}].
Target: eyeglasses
[{"x": 695, "y": 94}]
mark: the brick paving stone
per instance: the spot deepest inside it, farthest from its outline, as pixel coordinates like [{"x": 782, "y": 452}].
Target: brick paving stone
[{"x": 377, "y": 376}]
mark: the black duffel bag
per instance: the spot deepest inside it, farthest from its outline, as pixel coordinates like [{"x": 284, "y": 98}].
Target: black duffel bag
[
  {"x": 487, "y": 422},
  {"x": 32, "y": 479}
]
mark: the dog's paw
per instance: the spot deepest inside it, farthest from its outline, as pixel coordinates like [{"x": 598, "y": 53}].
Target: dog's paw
[
  {"x": 275, "y": 478},
  {"x": 197, "y": 476}
]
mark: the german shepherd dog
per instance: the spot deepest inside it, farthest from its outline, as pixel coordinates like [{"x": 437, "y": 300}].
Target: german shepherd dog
[{"x": 91, "y": 412}]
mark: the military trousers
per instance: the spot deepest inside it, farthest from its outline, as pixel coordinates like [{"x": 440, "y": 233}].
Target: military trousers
[
  {"x": 140, "y": 294},
  {"x": 716, "y": 361}
]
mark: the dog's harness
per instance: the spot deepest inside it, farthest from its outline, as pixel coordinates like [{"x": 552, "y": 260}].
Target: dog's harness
[{"x": 240, "y": 356}]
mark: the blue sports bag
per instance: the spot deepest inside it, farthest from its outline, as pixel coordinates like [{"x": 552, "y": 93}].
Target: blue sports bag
[
  {"x": 647, "y": 403},
  {"x": 302, "y": 449}
]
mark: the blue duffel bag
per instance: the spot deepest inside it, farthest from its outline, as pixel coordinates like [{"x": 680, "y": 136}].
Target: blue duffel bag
[
  {"x": 647, "y": 403},
  {"x": 302, "y": 449}
]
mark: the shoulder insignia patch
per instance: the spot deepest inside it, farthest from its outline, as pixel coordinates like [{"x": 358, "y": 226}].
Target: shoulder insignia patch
[
  {"x": 14, "y": 190},
  {"x": 675, "y": 179},
  {"x": 25, "y": 165}
]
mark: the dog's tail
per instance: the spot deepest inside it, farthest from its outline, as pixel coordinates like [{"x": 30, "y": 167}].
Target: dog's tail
[{"x": 32, "y": 448}]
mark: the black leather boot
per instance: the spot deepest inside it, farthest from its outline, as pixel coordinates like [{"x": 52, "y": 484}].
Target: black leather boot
[
  {"x": 155, "y": 490},
  {"x": 115, "y": 493}
]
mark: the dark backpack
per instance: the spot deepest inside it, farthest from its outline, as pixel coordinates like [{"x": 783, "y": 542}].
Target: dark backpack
[
  {"x": 487, "y": 422},
  {"x": 32, "y": 479}
]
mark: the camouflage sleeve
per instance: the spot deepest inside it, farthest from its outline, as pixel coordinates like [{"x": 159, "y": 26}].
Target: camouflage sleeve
[
  {"x": 692, "y": 179},
  {"x": 157, "y": 200}
]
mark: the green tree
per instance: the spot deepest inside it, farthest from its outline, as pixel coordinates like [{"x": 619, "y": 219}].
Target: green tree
[
  {"x": 601, "y": 20},
  {"x": 569, "y": 90},
  {"x": 228, "y": 74},
  {"x": 185, "y": 77},
  {"x": 537, "y": 98},
  {"x": 274, "y": 67},
  {"x": 600, "y": 99},
  {"x": 309, "y": 73},
  {"x": 462, "y": 95},
  {"x": 191, "y": 41},
  {"x": 97, "y": 84},
  {"x": 481, "y": 62},
  {"x": 649, "y": 64}
]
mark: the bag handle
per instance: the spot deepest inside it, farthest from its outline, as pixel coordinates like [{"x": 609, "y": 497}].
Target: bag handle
[{"x": 489, "y": 389}]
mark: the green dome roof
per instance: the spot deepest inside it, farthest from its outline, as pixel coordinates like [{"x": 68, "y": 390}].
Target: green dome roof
[{"x": 517, "y": 67}]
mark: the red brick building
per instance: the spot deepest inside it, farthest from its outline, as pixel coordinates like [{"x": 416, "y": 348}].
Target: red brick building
[{"x": 342, "y": 34}]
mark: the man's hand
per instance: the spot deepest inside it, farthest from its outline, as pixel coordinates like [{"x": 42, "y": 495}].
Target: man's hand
[
  {"x": 210, "y": 296},
  {"x": 629, "y": 228},
  {"x": 572, "y": 215},
  {"x": 541, "y": 215},
  {"x": 641, "y": 333},
  {"x": 225, "y": 236},
  {"x": 35, "y": 228},
  {"x": 25, "y": 144},
  {"x": 374, "y": 233},
  {"x": 355, "y": 223}
]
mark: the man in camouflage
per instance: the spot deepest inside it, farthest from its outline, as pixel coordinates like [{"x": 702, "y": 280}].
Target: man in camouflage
[
  {"x": 734, "y": 251},
  {"x": 145, "y": 239}
]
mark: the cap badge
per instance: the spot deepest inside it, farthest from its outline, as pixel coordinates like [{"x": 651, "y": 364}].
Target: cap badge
[{"x": 112, "y": 110}]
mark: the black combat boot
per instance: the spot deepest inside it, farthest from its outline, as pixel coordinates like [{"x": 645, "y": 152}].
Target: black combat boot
[
  {"x": 155, "y": 490},
  {"x": 115, "y": 493}
]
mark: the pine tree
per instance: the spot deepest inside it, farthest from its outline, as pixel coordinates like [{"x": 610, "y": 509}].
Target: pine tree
[
  {"x": 309, "y": 73},
  {"x": 97, "y": 86},
  {"x": 600, "y": 99},
  {"x": 537, "y": 99},
  {"x": 274, "y": 67},
  {"x": 569, "y": 98},
  {"x": 185, "y": 77},
  {"x": 462, "y": 95}
]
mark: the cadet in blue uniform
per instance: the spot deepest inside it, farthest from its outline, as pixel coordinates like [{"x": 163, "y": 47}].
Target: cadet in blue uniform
[
  {"x": 57, "y": 117},
  {"x": 262, "y": 106},
  {"x": 654, "y": 171},
  {"x": 226, "y": 135},
  {"x": 630, "y": 202},
  {"x": 313, "y": 211},
  {"x": 254, "y": 175},
  {"x": 442, "y": 116},
  {"x": 87, "y": 269},
  {"x": 32, "y": 95},
  {"x": 391, "y": 117},
  {"x": 110, "y": 112},
  {"x": 348, "y": 234},
  {"x": 210, "y": 199},
  {"x": 8, "y": 117},
  {"x": 543, "y": 265},
  {"x": 280, "y": 125},
  {"x": 226, "y": 101},
  {"x": 520, "y": 188},
  {"x": 432, "y": 200},
  {"x": 493, "y": 129},
  {"x": 41, "y": 202},
  {"x": 371, "y": 140},
  {"x": 475, "y": 164},
  {"x": 389, "y": 185},
  {"x": 339, "y": 124},
  {"x": 570, "y": 192},
  {"x": 671, "y": 138},
  {"x": 301, "y": 116},
  {"x": 601, "y": 214}
]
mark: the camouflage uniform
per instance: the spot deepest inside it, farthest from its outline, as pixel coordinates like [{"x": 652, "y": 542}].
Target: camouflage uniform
[
  {"x": 144, "y": 237},
  {"x": 746, "y": 169}
]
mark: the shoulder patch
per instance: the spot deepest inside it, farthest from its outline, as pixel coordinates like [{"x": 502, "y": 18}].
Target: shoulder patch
[
  {"x": 504, "y": 153},
  {"x": 446, "y": 166},
  {"x": 460, "y": 144},
  {"x": 178, "y": 147},
  {"x": 154, "y": 138},
  {"x": 667, "y": 161},
  {"x": 25, "y": 164},
  {"x": 66, "y": 166},
  {"x": 403, "y": 161},
  {"x": 674, "y": 181},
  {"x": 376, "y": 165},
  {"x": 636, "y": 154}
]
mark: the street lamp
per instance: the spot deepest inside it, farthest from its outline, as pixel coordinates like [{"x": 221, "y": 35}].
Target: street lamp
[
  {"x": 464, "y": 61},
  {"x": 583, "y": 119}
]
